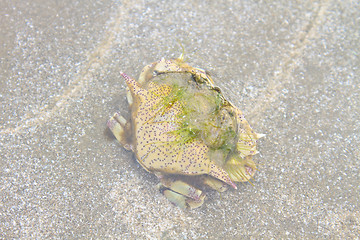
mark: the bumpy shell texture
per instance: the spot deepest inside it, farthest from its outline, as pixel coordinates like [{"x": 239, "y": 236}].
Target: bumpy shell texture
[{"x": 182, "y": 124}]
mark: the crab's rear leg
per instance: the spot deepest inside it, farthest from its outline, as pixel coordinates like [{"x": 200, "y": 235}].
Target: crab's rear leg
[
  {"x": 119, "y": 127},
  {"x": 181, "y": 193}
]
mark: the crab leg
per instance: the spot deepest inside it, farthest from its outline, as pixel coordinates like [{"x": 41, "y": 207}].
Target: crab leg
[{"x": 213, "y": 183}]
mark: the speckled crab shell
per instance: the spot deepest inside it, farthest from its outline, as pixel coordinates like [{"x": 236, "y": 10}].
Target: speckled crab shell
[
  {"x": 155, "y": 149},
  {"x": 181, "y": 125}
]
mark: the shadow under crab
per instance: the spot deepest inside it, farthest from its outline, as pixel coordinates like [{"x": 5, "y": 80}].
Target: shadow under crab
[{"x": 184, "y": 131}]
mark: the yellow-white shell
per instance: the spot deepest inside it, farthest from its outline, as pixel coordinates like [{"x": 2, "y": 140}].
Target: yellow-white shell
[{"x": 158, "y": 150}]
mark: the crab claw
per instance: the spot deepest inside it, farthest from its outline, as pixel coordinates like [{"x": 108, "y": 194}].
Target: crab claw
[
  {"x": 182, "y": 201},
  {"x": 240, "y": 169},
  {"x": 118, "y": 126},
  {"x": 181, "y": 193}
]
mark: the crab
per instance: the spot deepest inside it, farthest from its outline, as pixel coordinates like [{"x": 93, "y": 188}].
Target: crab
[{"x": 183, "y": 130}]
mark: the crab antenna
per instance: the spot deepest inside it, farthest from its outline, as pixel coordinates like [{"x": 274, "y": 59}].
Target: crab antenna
[{"x": 182, "y": 55}]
